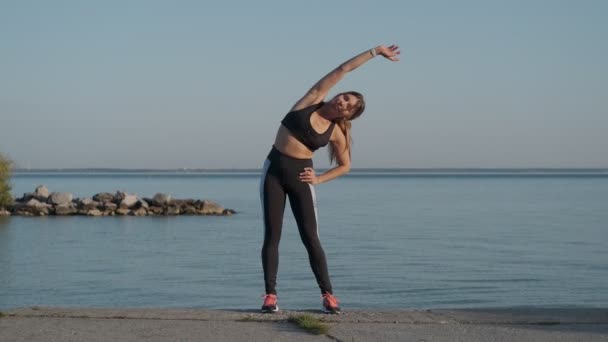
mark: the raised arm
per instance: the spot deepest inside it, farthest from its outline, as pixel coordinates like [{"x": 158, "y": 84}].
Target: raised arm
[{"x": 319, "y": 91}]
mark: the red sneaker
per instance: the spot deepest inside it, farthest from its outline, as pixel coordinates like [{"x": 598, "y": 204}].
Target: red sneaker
[
  {"x": 270, "y": 304},
  {"x": 330, "y": 304}
]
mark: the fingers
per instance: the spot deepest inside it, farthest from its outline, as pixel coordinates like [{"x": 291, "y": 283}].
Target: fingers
[
  {"x": 308, "y": 175},
  {"x": 393, "y": 51},
  {"x": 307, "y": 172}
]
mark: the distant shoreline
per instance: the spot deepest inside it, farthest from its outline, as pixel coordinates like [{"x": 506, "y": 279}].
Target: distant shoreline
[
  {"x": 357, "y": 172},
  {"x": 354, "y": 171}
]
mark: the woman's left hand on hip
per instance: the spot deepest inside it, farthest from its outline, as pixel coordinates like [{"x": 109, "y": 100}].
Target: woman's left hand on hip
[{"x": 308, "y": 176}]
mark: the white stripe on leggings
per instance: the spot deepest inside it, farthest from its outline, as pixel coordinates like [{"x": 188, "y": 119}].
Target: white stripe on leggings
[
  {"x": 262, "y": 180},
  {"x": 314, "y": 205}
]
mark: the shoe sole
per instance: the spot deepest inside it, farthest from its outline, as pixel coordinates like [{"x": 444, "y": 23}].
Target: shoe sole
[
  {"x": 333, "y": 312},
  {"x": 270, "y": 311}
]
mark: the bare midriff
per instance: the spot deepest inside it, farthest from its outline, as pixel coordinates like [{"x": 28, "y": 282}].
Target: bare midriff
[{"x": 287, "y": 144}]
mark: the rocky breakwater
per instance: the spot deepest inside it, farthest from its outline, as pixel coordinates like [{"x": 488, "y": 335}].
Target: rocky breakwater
[{"x": 44, "y": 203}]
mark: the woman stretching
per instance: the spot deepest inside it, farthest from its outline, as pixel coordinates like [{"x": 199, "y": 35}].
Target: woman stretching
[{"x": 288, "y": 171}]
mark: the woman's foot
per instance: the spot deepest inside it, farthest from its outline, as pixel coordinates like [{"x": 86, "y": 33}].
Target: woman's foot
[
  {"x": 270, "y": 304},
  {"x": 330, "y": 304}
]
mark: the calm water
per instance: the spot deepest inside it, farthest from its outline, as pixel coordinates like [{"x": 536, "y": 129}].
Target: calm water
[{"x": 399, "y": 241}]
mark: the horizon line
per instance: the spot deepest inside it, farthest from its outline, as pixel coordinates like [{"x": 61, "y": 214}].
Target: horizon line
[{"x": 360, "y": 169}]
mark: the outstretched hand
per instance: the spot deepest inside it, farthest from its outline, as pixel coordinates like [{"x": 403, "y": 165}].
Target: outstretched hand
[{"x": 390, "y": 52}]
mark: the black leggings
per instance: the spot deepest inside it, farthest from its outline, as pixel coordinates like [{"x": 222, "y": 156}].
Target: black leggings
[{"x": 280, "y": 177}]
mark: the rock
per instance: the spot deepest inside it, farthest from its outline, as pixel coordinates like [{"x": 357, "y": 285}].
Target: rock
[
  {"x": 122, "y": 211},
  {"x": 35, "y": 203},
  {"x": 41, "y": 203},
  {"x": 161, "y": 199},
  {"x": 108, "y": 213},
  {"x": 42, "y": 211},
  {"x": 172, "y": 211},
  {"x": 81, "y": 202},
  {"x": 23, "y": 212},
  {"x": 156, "y": 210},
  {"x": 87, "y": 204},
  {"x": 210, "y": 208},
  {"x": 176, "y": 202},
  {"x": 109, "y": 206},
  {"x": 228, "y": 212},
  {"x": 140, "y": 212},
  {"x": 60, "y": 198},
  {"x": 189, "y": 210},
  {"x": 142, "y": 204},
  {"x": 65, "y": 209},
  {"x": 103, "y": 197},
  {"x": 182, "y": 203},
  {"x": 41, "y": 192},
  {"x": 128, "y": 201},
  {"x": 26, "y": 197},
  {"x": 33, "y": 207},
  {"x": 119, "y": 196},
  {"x": 94, "y": 212}
]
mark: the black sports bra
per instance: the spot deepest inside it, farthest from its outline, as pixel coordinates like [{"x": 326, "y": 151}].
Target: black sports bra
[{"x": 298, "y": 123}]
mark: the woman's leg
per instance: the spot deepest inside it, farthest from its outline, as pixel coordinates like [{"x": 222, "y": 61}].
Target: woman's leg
[
  {"x": 304, "y": 207},
  {"x": 273, "y": 205}
]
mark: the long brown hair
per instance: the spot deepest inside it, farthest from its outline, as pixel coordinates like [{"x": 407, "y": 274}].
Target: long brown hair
[{"x": 345, "y": 125}]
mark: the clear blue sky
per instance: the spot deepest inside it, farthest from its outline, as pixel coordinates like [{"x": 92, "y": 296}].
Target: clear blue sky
[{"x": 204, "y": 84}]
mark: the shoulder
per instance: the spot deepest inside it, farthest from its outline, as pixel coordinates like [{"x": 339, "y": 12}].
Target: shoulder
[
  {"x": 337, "y": 136},
  {"x": 303, "y": 107},
  {"x": 312, "y": 97}
]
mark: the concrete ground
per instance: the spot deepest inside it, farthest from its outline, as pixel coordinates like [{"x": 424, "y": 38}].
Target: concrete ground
[{"x": 78, "y": 324}]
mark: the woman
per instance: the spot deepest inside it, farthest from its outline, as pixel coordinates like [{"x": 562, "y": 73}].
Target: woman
[{"x": 288, "y": 171}]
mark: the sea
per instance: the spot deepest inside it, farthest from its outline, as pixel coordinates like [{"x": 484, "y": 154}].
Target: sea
[{"x": 394, "y": 239}]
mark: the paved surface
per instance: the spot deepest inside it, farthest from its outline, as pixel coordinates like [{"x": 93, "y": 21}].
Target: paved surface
[{"x": 77, "y": 324}]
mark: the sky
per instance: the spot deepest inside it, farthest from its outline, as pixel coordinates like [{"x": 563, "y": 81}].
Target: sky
[{"x": 205, "y": 84}]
